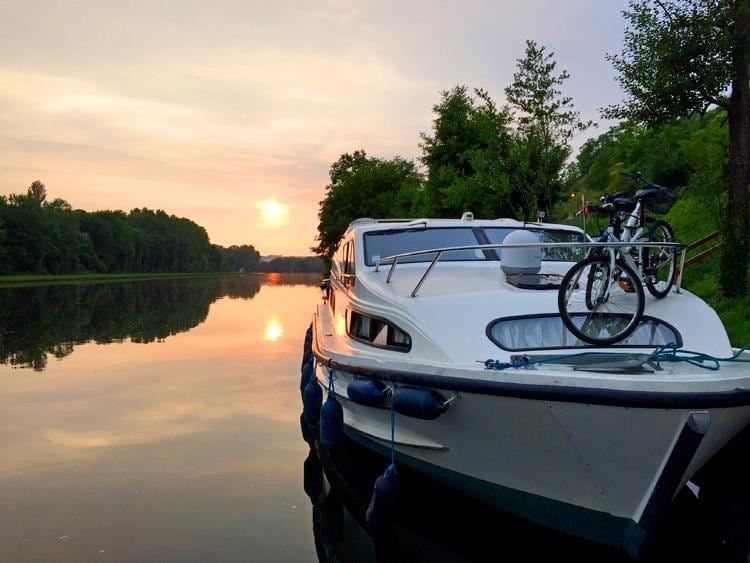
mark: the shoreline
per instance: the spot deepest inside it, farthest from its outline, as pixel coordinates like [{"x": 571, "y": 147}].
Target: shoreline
[{"x": 25, "y": 280}]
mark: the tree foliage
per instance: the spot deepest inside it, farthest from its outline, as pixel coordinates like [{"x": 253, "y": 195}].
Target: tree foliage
[
  {"x": 676, "y": 59},
  {"x": 293, "y": 264},
  {"x": 363, "y": 186},
  {"x": 545, "y": 123},
  {"x": 681, "y": 57},
  {"x": 42, "y": 237},
  {"x": 687, "y": 154},
  {"x": 494, "y": 161},
  {"x": 466, "y": 156}
]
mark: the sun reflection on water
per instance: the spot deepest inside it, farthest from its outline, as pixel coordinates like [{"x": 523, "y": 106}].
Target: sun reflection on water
[{"x": 274, "y": 329}]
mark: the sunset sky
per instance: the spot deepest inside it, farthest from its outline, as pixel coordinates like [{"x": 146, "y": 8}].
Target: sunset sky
[{"x": 231, "y": 112}]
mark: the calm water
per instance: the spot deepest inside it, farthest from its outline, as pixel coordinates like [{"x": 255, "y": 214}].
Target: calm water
[{"x": 159, "y": 421}]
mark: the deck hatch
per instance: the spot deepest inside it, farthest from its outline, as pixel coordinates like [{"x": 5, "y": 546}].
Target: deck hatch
[{"x": 547, "y": 332}]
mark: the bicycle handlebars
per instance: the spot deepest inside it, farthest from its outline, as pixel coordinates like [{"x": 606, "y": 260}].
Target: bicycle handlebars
[{"x": 637, "y": 176}]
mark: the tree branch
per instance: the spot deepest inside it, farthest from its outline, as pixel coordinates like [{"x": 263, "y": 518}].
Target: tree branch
[{"x": 664, "y": 8}]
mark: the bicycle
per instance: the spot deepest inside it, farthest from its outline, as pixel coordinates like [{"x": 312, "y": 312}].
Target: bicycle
[{"x": 608, "y": 307}]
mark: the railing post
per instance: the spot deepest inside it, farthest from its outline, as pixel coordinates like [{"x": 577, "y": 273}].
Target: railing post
[
  {"x": 683, "y": 255},
  {"x": 427, "y": 272},
  {"x": 390, "y": 272}
]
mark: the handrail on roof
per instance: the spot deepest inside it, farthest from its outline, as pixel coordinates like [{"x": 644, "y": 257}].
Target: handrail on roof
[
  {"x": 370, "y": 221},
  {"x": 440, "y": 251}
]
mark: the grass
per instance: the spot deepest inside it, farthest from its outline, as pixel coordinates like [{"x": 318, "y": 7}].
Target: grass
[
  {"x": 24, "y": 280},
  {"x": 734, "y": 312}
]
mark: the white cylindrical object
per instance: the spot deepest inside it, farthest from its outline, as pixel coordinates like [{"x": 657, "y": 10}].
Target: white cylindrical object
[{"x": 521, "y": 260}]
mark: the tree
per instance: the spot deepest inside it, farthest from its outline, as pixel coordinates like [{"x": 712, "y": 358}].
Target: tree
[
  {"x": 37, "y": 192},
  {"x": 363, "y": 186},
  {"x": 467, "y": 156},
  {"x": 681, "y": 57},
  {"x": 243, "y": 258},
  {"x": 546, "y": 123}
]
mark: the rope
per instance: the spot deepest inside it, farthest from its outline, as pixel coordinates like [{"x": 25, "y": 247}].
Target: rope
[
  {"x": 393, "y": 435},
  {"x": 667, "y": 353},
  {"x": 670, "y": 353},
  {"x": 393, "y": 429},
  {"x": 525, "y": 361}
]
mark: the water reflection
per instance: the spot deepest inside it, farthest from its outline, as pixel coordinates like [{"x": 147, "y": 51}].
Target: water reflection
[
  {"x": 432, "y": 523},
  {"x": 182, "y": 449},
  {"x": 274, "y": 330},
  {"x": 37, "y": 322}
]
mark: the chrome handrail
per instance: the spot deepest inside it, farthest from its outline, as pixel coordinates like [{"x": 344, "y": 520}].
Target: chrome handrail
[{"x": 440, "y": 251}]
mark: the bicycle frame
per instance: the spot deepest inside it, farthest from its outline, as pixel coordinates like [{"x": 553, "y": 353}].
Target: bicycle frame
[
  {"x": 635, "y": 222},
  {"x": 629, "y": 230}
]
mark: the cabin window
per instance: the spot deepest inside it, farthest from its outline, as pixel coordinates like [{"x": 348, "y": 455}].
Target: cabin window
[
  {"x": 381, "y": 244},
  {"x": 545, "y": 332},
  {"x": 497, "y": 236},
  {"x": 378, "y": 332},
  {"x": 337, "y": 266},
  {"x": 349, "y": 258},
  {"x": 346, "y": 265}
]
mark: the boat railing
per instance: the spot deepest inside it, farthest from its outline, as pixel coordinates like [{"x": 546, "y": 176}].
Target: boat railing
[{"x": 439, "y": 252}]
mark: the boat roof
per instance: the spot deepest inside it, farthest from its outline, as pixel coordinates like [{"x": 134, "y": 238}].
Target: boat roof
[{"x": 370, "y": 224}]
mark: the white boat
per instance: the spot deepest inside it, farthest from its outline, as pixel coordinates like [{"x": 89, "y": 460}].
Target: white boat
[{"x": 506, "y": 404}]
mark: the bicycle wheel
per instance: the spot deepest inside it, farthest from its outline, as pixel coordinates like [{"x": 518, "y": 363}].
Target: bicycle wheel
[
  {"x": 659, "y": 264},
  {"x": 600, "y": 306}
]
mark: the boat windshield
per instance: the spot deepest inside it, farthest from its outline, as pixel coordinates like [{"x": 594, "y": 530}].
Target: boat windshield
[
  {"x": 497, "y": 236},
  {"x": 381, "y": 244}
]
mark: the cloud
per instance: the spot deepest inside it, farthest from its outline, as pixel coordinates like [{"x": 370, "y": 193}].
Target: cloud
[
  {"x": 286, "y": 116},
  {"x": 231, "y": 101}
]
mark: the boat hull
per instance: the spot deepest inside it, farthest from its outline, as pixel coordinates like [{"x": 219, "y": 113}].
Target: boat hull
[{"x": 602, "y": 472}]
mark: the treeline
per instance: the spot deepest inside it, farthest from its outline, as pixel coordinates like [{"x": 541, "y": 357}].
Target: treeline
[
  {"x": 496, "y": 161},
  {"x": 38, "y": 236},
  {"x": 293, "y": 264}
]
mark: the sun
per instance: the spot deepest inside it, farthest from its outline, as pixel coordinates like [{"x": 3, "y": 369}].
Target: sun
[{"x": 273, "y": 213}]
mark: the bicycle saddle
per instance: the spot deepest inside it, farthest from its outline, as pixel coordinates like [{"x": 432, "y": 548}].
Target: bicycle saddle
[{"x": 620, "y": 201}]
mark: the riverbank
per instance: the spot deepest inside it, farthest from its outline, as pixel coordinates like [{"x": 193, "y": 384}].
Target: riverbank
[{"x": 22, "y": 280}]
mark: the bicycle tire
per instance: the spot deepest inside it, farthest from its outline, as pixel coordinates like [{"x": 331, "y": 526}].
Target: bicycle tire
[
  {"x": 609, "y": 308},
  {"x": 659, "y": 264}
]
